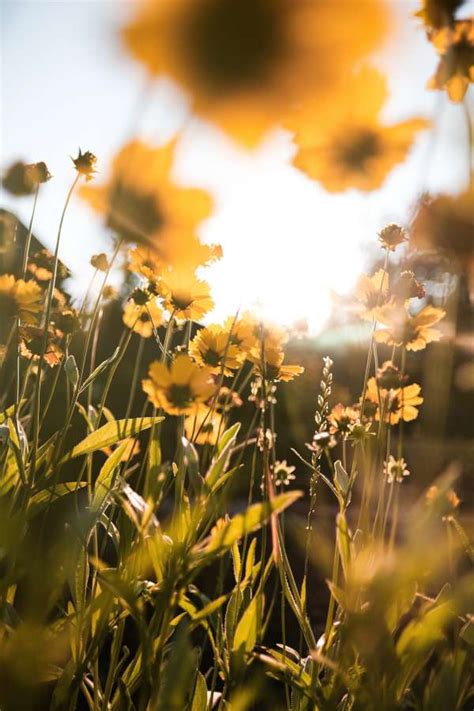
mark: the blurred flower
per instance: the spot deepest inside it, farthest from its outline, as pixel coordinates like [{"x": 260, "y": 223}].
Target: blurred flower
[
  {"x": 241, "y": 332},
  {"x": 266, "y": 335},
  {"x": 396, "y": 405},
  {"x": 211, "y": 347},
  {"x": 140, "y": 202},
  {"x": 31, "y": 345},
  {"x": 445, "y": 224},
  {"x": 455, "y": 70},
  {"x": 143, "y": 318},
  {"x": 406, "y": 287},
  {"x": 100, "y": 262},
  {"x": 391, "y": 236},
  {"x": 395, "y": 470},
  {"x": 227, "y": 399},
  {"x": 438, "y": 13},
  {"x": 343, "y": 145},
  {"x": 341, "y": 417},
  {"x": 203, "y": 425},
  {"x": 185, "y": 296},
  {"x": 403, "y": 329},
  {"x": 145, "y": 262},
  {"x": 388, "y": 376},
  {"x": 41, "y": 266},
  {"x": 19, "y": 298},
  {"x": 371, "y": 292},
  {"x": 109, "y": 293},
  {"x": 85, "y": 164},
  {"x": 269, "y": 364},
  {"x": 8, "y": 225},
  {"x": 23, "y": 178},
  {"x": 244, "y": 62},
  {"x": 450, "y": 498},
  {"x": 283, "y": 473},
  {"x": 180, "y": 387},
  {"x": 66, "y": 321},
  {"x": 181, "y": 249}
]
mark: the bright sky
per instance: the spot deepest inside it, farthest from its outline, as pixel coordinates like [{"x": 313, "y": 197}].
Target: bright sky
[{"x": 66, "y": 82}]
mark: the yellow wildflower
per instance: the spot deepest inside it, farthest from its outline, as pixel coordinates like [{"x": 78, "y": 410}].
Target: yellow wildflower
[
  {"x": 396, "y": 404},
  {"x": 269, "y": 364},
  {"x": 341, "y": 417},
  {"x": 180, "y": 387},
  {"x": 143, "y": 318},
  {"x": 185, "y": 296},
  {"x": 402, "y": 329},
  {"x": 211, "y": 347},
  {"x": 19, "y": 298},
  {"x": 343, "y": 145},
  {"x": 204, "y": 425},
  {"x": 371, "y": 292},
  {"x": 241, "y": 332}
]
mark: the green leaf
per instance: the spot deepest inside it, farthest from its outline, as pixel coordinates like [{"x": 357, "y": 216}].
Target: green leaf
[
  {"x": 209, "y": 609},
  {"x": 223, "y": 537},
  {"x": 10, "y": 411},
  {"x": 221, "y": 460},
  {"x": 246, "y": 632},
  {"x": 199, "y": 702},
  {"x": 341, "y": 479},
  {"x": 467, "y": 633},
  {"x": 43, "y": 498},
  {"x": 71, "y": 370},
  {"x": 105, "y": 481},
  {"x": 100, "y": 369},
  {"x": 109, "y": 434},
  {"x": 344, "y": 542},
  {"x": 191, "y": 461}
]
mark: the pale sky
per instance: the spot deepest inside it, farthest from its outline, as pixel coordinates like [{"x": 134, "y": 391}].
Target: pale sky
[{"x": 66, "y": 82}]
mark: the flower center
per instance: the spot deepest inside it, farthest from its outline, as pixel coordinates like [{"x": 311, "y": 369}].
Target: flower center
[
  {"x": 181, "y": 302},
  {"x": 211, "y": 357},
  {"x": 180, "y": 396},
  {"x": 355, "y": 151},
  {"x": 233, "y": 44},
  {"x": 134, "y": 216}
]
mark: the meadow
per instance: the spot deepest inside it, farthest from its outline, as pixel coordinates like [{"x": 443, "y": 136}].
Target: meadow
[{"x": 169, "y": 539}]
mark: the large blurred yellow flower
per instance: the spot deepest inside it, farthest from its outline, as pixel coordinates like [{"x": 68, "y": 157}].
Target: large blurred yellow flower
[
  {"x": 211, "y": 346},
  {"x": 244, "y": 62},
  {"x": 203, "y": 425},
  {"x": 141, "y": 202},
  {"x": 185, "y": 296},
  {"x": 455, "y": 70},
  {"x": 403, "y": 329},
  {"x": 180, "y": 387},
  {"x": 342, "y": 143},
  {"x": 19, "y": 298}
]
